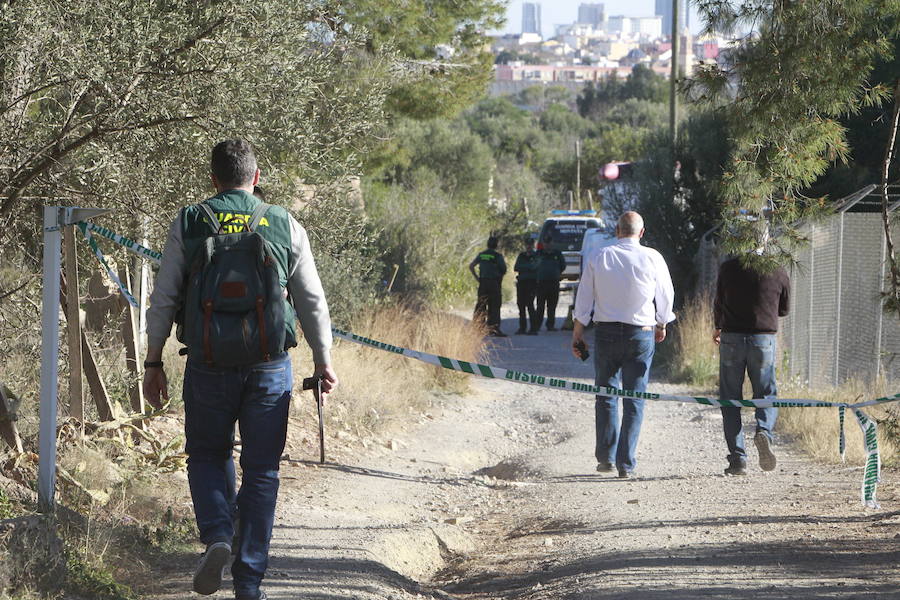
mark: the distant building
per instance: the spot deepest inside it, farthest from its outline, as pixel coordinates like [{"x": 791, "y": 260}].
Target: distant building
[
  {"x": 619, "y": 24},
  {"x": 664, "y": 10},
  {"x": 647, "y": 27},
  {"x": 592, "y": 14},
  {"x": 531, "y": 17}
]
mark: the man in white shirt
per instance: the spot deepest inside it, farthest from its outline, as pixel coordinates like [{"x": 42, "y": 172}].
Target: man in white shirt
[{"x": 629, "y": 289}]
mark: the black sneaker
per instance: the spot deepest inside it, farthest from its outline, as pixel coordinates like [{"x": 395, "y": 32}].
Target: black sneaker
[
  {"x": 767, "y": 460},
  {"x": 260, "y": 596},
  {"x": 208, "y": 576},
  {"x": 623, "y": 474},
  {"x": 604, "y": 467},
  {"x": 737, "y": 466},
  {"x": 498, "y": 333},
  {"x": 520, "y": 331}
]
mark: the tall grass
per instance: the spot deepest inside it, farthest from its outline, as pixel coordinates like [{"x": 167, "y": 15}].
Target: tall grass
[
  {"x": 377, "y": 388},
  {"x": 815, "y": 430},
  {"x": 696, "y": 358}
]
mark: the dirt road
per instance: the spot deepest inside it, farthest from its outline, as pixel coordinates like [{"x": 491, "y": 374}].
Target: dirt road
[{"x": 495, "y": 495}]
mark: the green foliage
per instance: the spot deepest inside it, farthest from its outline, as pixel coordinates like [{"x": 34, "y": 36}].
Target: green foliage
[
  {"x": 808, "y": 65},
  {"x": 420, "y": 32},
  {"x": 93, "y": 582},
  {"x": 504, "y": 57},
  {"x": 675, "y": 226},
  {"x": 642, "y": 83},
  {"x": 7, "y": 509}
]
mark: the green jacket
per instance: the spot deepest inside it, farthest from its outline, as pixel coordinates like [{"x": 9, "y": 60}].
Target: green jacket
[
  {"x": 551, "y": 264},
  {"x": 490, "y": 264},
  {"x": 526, "y": 265},
  {"x": 233, "y": 209}
]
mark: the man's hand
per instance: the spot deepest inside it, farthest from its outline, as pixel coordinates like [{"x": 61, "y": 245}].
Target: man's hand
[
  {"x": 577, "y": 338},
  {"x": 329, "y": 378},
  {"x": 156, "y": 385},
  {"x": 717, "y": 336},
  {"x": 659, "y": 334}
]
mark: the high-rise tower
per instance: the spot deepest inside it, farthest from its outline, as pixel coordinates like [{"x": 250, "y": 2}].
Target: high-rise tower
[{"x": 531, "y": 17}]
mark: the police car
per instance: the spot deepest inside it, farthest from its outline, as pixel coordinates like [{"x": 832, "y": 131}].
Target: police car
[{"x": 567, "y": 229}]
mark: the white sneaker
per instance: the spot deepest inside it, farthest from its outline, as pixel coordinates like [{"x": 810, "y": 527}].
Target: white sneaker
[
  {"x": 208, "y": 576},
  {"x": 767, "y": 460}
]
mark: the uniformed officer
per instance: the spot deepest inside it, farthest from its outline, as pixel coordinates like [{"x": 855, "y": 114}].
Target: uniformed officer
[
  {"x": 551, "y": 264},
  {"x": 491, "y": 269},
  {"x": 526, "y": 287}
]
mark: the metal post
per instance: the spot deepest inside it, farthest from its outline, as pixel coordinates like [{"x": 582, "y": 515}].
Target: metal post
[
  {"x": 837, "y": 322},
  {"x": 55, "y": 217},
  {"x": 49, "y": 356},
  {"x": 879, "y": 307},
  {"x": 809, "y": 317},
  {"x": 578, "y": 173},
  {"x": 673, "y": 78}
]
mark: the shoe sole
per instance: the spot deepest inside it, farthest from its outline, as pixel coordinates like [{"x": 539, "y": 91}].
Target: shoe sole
[
  {"x": 208, "y": 578},
  {"x": 767, "y": 460}
]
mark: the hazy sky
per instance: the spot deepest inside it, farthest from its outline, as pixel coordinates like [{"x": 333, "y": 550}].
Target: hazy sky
[{"x": 560, "y": 12}]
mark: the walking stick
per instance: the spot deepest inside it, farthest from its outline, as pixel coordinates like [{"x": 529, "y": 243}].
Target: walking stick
[{"x": 315, "y": 384}]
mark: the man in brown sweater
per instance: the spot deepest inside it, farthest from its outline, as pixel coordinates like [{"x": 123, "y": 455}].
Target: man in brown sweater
[{"x": 746, "y": 310}]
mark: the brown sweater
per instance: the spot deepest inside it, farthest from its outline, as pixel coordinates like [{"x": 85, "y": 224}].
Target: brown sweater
[{"x": 750, "y": 302}]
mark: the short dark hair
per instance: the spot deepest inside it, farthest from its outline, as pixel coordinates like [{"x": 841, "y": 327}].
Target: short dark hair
[
  {"x": 492, "y": 242},
  {"x": 233, "y": 162}
]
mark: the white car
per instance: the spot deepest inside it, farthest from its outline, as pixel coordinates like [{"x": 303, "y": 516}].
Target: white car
[{"x": 567, "y": 229}]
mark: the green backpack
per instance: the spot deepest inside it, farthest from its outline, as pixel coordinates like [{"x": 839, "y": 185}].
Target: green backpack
[{"x": 234, "y": 308}]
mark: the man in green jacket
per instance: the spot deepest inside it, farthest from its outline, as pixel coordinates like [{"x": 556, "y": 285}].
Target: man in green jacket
[
  {"x": 491, "y": 269},
  {"x": 551, "y": 264},
  {"x": 526, "y": 287},
  {"x": 256, "y": 396}
]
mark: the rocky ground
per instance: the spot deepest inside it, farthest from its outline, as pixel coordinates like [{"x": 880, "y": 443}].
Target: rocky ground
[{"x": 495, "y": 495}]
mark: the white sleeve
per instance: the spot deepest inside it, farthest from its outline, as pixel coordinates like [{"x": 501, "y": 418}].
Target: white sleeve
[
  {"x": 308, "y": 296},
  {"x": 167, "y": 288},
  {"x": 665, "y": 291},
  {"x": 584, "y": 299}
]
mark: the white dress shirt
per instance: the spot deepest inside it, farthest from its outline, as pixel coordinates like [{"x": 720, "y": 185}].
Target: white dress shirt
[{"x": 625, "y": 283}]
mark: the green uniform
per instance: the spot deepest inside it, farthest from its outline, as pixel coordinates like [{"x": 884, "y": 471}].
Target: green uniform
[
  {"x": 551, "y": 264},
  {"x": 491, "y": 269}
]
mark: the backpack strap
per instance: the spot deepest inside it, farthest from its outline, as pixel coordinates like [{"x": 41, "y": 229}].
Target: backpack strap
[
  {"x": 258, "y": 213},
  {"x": 211, "y": 216}
]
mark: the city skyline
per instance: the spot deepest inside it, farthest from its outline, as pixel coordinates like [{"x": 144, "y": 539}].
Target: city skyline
[{"x": 563, "y": 12}]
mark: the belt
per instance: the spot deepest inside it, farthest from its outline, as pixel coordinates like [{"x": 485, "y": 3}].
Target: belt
[{"x": 632, "y": 325}]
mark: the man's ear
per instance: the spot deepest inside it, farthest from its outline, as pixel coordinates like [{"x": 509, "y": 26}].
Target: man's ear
[
  {"x": 215, "y": 181},
  {"x": 641, "y": 234},
  {"x": 256, "y": 177}
]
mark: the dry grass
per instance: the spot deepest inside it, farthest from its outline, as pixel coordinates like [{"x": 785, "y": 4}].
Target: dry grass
[
  {"x": 379, "y": 388},
  {"x": 815, "y": 430},
  {"x": 696, "y": 359}
]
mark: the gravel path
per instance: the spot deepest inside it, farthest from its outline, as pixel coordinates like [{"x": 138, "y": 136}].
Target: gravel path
[{"x": 495, "y": 495}]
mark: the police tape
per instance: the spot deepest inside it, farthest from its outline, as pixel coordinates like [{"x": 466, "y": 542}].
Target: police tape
[
  {"x": 102, "y": 259},
  {"x": 872, "y": 472}
]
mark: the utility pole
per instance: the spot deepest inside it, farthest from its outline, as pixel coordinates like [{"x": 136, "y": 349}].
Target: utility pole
[
  {"x": 673, "y": 91},
  {"x": 578, "y": 173}
]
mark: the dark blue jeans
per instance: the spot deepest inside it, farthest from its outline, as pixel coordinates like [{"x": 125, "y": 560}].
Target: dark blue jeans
[
  {"x": 622, "y": 357},
  {"x": 257, "y": 398},
  {"x": 755, "y": 355}
]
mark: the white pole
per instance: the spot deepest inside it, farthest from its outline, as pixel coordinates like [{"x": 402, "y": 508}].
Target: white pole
[
  {"x": 145, "y": 294},
  {"x": 49, "y": 357}
]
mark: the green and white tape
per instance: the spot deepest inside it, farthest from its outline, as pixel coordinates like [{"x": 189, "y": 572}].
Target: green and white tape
[
  {"x": 127, "y": 243},
  {"x": 102, "y": 259},
  {"x": 872, "y": 472}
]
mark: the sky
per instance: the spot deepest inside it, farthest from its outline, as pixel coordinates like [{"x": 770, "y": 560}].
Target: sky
[{"x": 561, "y": 12}]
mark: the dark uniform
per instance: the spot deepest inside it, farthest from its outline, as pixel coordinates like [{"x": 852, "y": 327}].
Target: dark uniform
[
  {"x": 526, "y": 289},
  {"x": 491, "y": 269},
  {"x": 551, "y": 264}
]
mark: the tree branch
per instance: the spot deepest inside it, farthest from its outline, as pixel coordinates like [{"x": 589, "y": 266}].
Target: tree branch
[{"x": 894, "y": 278}]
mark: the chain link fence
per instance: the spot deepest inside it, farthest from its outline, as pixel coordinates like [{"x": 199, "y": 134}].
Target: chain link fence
[{"x": 836, "y": 329}]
